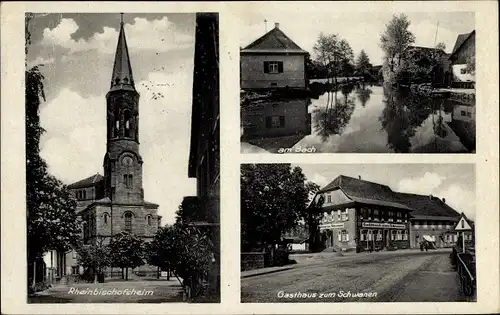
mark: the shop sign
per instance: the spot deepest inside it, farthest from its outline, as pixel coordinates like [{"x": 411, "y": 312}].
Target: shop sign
[
  {"x": 383, "y": 225},
  {"x": 331, "y": 226}
]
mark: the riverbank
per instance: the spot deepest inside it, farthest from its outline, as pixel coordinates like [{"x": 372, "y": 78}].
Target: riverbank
[
  {"x": 315, "y": 88},
  {"x": 456, "y": 94}
]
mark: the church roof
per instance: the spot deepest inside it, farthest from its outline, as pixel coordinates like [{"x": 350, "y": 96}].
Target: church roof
[
  {"x": 87, "y": 182},
  {"x": 274, "y": 41},
  {"x": 122, "y": 78}
]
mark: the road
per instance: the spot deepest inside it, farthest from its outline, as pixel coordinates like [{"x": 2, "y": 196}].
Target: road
[
  {"x": 147, "y": 291},
  {"x": 380, "y": 277}
]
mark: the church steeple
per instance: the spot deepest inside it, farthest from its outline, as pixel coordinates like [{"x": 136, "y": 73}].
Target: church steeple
[
  {"x": 122, "y": 161},
  {"x": 122, "y": 78}
]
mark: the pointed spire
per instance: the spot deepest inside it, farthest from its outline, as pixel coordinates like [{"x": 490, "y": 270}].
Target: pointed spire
[{"x": 122, "y": 78}]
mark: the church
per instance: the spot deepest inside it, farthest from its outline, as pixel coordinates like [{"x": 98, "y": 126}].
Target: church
[{"x": 114, "y": 202}]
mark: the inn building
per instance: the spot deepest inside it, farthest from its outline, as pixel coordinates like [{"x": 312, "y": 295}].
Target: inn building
[{"x": 361, "y": 215}]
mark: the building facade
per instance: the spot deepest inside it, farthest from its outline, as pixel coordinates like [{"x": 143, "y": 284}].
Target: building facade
[
  {"x": 202, "y": 210},
  {"x": 464, "y": 52},
  {"x": 432, "y": 220},
  {"x": 273, "y": 61},
  {"x": 361, "y": 215},
  {"x": 114, "y": 203}
]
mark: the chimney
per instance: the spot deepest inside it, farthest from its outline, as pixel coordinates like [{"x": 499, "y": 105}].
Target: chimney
[
  {"x": 359, "y": 176},
  {"x": 276, "y": 25},
  {"x": 430, "y": 197},
  {"x": 444, "y": 200}
]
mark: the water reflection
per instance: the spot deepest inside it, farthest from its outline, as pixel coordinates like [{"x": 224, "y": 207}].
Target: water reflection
[
  {"x": 360, "y": 118},
  {"x": 276, "y": 124},
  {"x": 332, "y": 118}
]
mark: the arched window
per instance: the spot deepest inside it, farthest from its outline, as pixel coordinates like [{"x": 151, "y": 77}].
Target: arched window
[
  {"x": 106, "y": 218},
  {"x": 128, "y": 222},
  {"x": 149, "y": 220},
  {"x": 127, "y": 117},
  {"x": 116, "y": 129}
]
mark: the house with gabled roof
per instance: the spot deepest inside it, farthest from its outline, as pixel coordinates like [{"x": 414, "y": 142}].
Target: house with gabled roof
[
  {"x": 363, "y": 215},
  {"x": 273, "y": 61},
  {"x": 463, "y": 51}
]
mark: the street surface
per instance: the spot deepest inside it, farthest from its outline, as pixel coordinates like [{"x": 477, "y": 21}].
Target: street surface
[
  {"x": 132, "y": 291},
  {"x": 400, "y": 276}
]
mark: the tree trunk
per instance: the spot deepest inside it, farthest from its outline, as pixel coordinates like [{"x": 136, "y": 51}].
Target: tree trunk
[
  {"x": 126, "y": 273},
  {"x": 95, "y": 275},
  {"x": 158, "y": 272},
  {"x": 168, "y": 274},
  {"x": 123, "y": 274}
]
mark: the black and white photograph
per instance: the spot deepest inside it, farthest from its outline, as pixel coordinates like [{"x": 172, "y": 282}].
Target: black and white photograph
[
  {"x": 351, "y": 233},
  {"x": 357, "y": 82},
  {"x": 122, "y": 157}
]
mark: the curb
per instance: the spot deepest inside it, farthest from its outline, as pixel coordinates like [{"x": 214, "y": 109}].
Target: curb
[{"x": 266, "y": 272}]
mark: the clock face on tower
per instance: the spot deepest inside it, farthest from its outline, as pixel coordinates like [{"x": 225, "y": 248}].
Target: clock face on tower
[{"x": 127, "y": 161}]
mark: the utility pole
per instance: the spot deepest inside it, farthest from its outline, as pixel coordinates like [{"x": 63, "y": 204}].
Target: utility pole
[{"x": 435, "y": 36}]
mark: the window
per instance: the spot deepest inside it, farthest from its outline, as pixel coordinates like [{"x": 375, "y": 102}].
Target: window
[
  {"x": 329, "y": 198},
  {"x": 462, "y": 113},
  {"x": 399, "y": 237},
  {"x": 363, "y": 234},
  {"x": 390, "y": 215},
  {"x": 149, "y": 220},
  {"x": 338, "y": 215},
  {"x": 127, "y": 117},
  {"x": 379, "y": 235},
  {"x": 275, "y": 122},
  {"x": 376, "y": 214},
  {"x": 84, "y": 194},
  {"x": 370, "y": 235},
  {"x": 405, "y": 235},
  {"x": 128, "y": 222},
  {"x": 398, "y": 217},
  {"x": 105, "y": 218},
  {"x": 345, "y": 215},
  {"x": 345, "y": 236},
  {"x": 273, "y": 67},
  {"x": 116, "y": 129},
  {"x": 128, "y": 180},
  {"x": 393, "y": 235}
]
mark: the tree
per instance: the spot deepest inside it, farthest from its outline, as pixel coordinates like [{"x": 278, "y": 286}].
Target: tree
[
  {"x": 335, "y": 54},
  {"x": 395, "y": 41},
  {"x": 127, "y": 251},
  {"x": 471, "y": 64},
  {"x": 363, "y": 62},
  {"x": 273, "y": 198},
  {"x": 162, "y": 251},
  {"x": 51, "y": 219},
  {"x": 95, "y": 256},
  {"x": 194, "y": 257},
  {"x": 441, "y": 46}
]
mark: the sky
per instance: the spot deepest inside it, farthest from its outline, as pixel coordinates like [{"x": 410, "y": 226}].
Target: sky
[
  {"x": 77, "y": 53},
  {"x": 361, "y": 29},
  {"x": 454, "y": 182}
]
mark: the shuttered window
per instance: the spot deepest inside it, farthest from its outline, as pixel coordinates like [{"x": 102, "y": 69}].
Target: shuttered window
[
  {"x": 275, "y": 122},
  {"x": 273, "y": 66}
]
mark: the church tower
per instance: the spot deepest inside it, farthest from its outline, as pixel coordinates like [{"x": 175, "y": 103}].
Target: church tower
[{"x": 122, "y": 161}]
